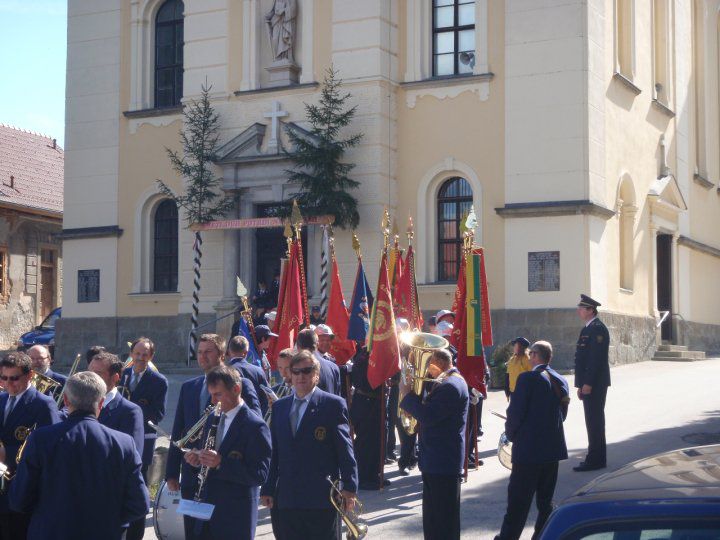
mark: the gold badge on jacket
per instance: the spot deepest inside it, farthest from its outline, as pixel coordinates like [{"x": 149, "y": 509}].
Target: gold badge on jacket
[
  {"x": 21, "y": 433},
  {"x": 599, "y": 339},
  {"x": 235, "y": 455},
  {"x": 320, "y": 433}
]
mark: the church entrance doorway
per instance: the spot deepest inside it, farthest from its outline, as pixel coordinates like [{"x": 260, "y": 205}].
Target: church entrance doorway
[{"x": 664, "y": 284}]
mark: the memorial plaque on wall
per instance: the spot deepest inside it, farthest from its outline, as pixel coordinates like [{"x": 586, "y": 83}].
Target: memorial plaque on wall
[
  {"x": 88, "y": 286},
  {"x": 543, "y": 271}
]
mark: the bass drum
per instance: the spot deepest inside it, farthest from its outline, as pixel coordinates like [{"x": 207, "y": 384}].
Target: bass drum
[
  {"x": 169, "y": 524},
  {"x": 505, "y": 452}
]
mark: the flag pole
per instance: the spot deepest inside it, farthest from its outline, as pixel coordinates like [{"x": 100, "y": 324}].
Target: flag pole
[
  {"x": 297, "y": 220},
  {"x": 383, "y": 386}
]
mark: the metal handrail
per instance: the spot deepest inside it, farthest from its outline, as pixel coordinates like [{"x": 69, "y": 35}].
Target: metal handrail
[
  {"x": 190, "y": 333},
  {"x": 662, "y": 319}
]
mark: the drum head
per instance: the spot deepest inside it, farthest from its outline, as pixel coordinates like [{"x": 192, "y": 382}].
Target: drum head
[
  {"x": 505, "y": 452},
  {"x": 169, "y": 524}
]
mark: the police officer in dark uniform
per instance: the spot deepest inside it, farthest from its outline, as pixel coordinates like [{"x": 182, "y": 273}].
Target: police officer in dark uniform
[{"x": 592, "y": 378}]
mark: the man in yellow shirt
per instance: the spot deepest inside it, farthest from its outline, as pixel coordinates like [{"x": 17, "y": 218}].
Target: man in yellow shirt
[{"x": 519, "y": 363}]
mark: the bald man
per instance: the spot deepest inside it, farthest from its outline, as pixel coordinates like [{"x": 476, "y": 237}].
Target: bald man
[{"x": 41, "y": 360}]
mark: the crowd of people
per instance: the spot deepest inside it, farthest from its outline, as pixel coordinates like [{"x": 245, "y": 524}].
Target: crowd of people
[{"x": 87, "y": 442}]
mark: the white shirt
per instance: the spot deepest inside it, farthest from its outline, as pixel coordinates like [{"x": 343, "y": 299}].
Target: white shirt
[
  {"x": 109, "y": 397},
  {"x": 229, "y": 417},
  {"x": 303, "y": 406},
  {"x": 591, "y": 320}
]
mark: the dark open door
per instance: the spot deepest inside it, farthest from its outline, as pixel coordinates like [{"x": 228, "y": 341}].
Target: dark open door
[{"x": 664, "y": 283}]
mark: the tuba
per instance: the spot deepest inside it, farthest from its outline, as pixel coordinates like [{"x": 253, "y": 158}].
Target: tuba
[
  {"x": 43, "y": 383},
  {"x": 414, "y": 368},
  {"x": 356, "y": 526}
]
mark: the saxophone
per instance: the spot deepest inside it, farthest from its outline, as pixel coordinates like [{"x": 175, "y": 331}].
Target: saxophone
[{"x": 210, "y": 442}]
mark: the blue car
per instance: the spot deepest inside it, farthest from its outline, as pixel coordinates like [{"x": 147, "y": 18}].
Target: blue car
[
  {"x": 670, "y": 496},
  {"x": 41, "y": 335}
]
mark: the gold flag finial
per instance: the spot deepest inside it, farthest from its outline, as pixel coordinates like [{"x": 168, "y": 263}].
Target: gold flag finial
[
  {"x": 410, "y": 230},
  {"x": 356, "y": 245},
  {"x": 287, "y": 233},
  {"x": 386, "y": 227},
  {"x": 296, "y": 216},
  {"x": 396, "y": 233}
]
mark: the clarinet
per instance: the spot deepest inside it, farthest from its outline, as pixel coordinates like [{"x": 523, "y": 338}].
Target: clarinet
[{"x": 210, "y": 442}]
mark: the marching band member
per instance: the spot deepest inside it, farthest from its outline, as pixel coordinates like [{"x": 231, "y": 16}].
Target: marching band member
[
  {"x": 310, "y": 442},
  {"x": 307, "y": 340},
  {"x": 193, "y": 400},
  {"x": 79, "y": 479},
  {"x": 238, "y": 465},
  {"x": 41, "y": 360},
  {"x": 442, "y": 418},
  {"x": 237, "y": 351},
  {"x": 22, "y": 407}
]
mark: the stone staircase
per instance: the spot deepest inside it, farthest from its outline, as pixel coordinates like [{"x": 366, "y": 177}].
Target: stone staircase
[{"x": 677, "y": 353}]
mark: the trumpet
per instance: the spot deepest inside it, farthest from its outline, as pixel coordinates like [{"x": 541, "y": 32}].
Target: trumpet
[
  {"x": 192, "y": 434},
  {"x": 43, "y": 383},
  {"x": 73, "y": 369},
  {"x": 357, "y": 528}
]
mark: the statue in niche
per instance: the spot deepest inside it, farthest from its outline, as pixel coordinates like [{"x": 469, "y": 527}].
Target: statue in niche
[{"x": 281, "y": 28}]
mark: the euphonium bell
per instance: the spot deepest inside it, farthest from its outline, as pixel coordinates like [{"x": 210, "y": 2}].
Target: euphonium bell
[
  {"x": 356, "y": 526},
  {"x": 414, "y": 368},
  {"x": 43, "y": 383}
]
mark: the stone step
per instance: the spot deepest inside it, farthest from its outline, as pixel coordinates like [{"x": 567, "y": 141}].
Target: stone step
[
  {"x": 679, "y": 356},
  {"x": 669, "y": 347}
]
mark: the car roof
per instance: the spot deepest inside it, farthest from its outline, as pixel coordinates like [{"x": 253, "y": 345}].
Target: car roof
[{"x": 680, "y": 474}]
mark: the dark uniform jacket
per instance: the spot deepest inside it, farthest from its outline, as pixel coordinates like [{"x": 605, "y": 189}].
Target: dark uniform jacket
[
  {"x": 591, "y": 355},
  {"x": 31, "y": 409},
  {"x": 80, "y": 480},
  {"x": 329, "y": 375},
  {"x": 126, "y": 417},
  {"x": 233, "y": 487},
  {"x": 535, "y": 417},
  {"x": 256, "y": 376},
  {"x": 320, "y": 448},
  {"x": 186, "y": 415},
  {"x": 150, "y": 395},
  {"x": 442, "y": 417}
]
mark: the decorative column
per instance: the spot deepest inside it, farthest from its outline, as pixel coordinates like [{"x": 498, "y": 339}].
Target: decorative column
[{"x": 675, "y": 280}]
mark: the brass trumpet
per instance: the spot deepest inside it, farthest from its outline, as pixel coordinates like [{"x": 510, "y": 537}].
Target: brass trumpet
[
  {"x": 357, "y": 528},
  {"x": 43, "y": 383},
  {"x": 192, "y": 435}
]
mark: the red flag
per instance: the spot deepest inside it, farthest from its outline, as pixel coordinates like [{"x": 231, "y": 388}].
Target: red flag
[
  {"x": 398, "y": 273},
  {"x": 407, "y": 303},
  {"x": 384, "y": 359},
  {"x": 471, "y": 367},
  {"x": 290, "y": 312},
  {"x": 338, "y": 319}
]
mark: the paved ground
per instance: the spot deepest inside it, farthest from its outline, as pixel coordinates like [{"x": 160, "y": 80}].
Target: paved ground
[{"x": 652, "y": 407}]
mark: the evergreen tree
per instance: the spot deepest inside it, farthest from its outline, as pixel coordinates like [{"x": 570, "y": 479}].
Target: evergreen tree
[{"x": 318, "y": 168}]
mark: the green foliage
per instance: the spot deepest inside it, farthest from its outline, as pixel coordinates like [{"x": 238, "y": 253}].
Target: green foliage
[
  {"x": 501, "y": 355},
  {"x": 202, "y": 200},
  {"x": 323, "y": 177}
]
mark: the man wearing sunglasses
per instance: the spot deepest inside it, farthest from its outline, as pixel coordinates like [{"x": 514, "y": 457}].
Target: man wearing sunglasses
[
  {"x": 310, "y": 443},
  {"x": 22, "y": 408}
]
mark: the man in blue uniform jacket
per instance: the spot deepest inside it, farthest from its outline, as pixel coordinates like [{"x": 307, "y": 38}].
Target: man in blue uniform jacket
[
  {"x": 535, "y": 426},
  {"x": 41, "y": 362},
  {"x": 22, "y": 408},
  {"x": 79, "y": 480},
  {"x": 442, "y": 419},
  {"x": 310, "y": 442},
  {"x": 592, "y": 379},
  {"x": 148, "y": 389},
  {"x": 117, "y": 412},
  {"x": 238, "y": 464},
  {"x": 193, "y": 400},
  {"x": 237, "y": 350},
  {"x": 329, "y": 380}
]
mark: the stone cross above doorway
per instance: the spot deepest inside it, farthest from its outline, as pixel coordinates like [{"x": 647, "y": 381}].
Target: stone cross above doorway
[{"x": 273, "y": 146}]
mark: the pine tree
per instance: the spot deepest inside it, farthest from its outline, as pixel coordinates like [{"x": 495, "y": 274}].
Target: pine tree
[
  {"x": 201, "y": 201},
  {"x": 318, "y": 167}
]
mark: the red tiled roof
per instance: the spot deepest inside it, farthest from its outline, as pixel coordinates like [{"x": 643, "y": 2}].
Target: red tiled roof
[{"x": 36, "y": 169}]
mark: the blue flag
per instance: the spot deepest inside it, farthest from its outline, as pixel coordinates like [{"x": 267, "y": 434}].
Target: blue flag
[
  {"x": 253, "y": 357},
  {"x": 360, "y": 307}
]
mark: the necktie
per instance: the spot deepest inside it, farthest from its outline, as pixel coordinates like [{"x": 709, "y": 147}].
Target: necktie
[
  {"x": 204, "y": 397},
  {"x": 295, "y": 414},
  {"x": 134, "y": 381},
  {"x": 10, "y": 406}
]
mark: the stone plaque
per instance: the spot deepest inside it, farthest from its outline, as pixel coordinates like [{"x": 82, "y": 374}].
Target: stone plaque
[
  {"x": 543, "y": 271},
  {"x": 88, "y": 286}
]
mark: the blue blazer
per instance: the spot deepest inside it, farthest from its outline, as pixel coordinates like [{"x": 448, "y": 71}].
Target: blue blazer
[
  {"x": 535, "y": 418},
  {"x": 442, "y": 418},
  {"x": 329, "y": 376},
  {"x": 150, "y": 394},
  {"x": 233, "y": 488},
  {"x": 79, "y": 480},
  {"x": 321, "y": 447},
  {"x": 256, "y": 376},
  {"x": 32, "y": 408},
  {"x": 126, "y": 417},
  {"x": 186, "y": 415}
]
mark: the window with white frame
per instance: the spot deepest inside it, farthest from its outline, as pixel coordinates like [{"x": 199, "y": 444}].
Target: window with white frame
[
  {"x": 453, "y": 24},
  {"x": 169, "y": 54}
]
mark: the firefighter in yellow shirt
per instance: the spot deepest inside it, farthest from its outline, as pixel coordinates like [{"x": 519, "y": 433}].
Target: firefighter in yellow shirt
[{"x": 519, "y": 363}]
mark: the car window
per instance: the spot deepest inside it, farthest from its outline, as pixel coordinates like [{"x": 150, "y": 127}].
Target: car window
[{"x": 50, "y": 320}]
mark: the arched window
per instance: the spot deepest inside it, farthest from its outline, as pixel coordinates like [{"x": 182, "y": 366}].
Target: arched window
[
  {"x": 169, "y": 54},
  {"x": 454, "y": 201},
  {"x": 165, "y": 247}
]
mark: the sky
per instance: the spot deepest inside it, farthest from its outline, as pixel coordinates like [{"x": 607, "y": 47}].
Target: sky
[{"x": 33, "y": 47}]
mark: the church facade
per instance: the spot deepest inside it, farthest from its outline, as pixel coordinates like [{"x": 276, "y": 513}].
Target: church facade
[{"x": 584, "y": 133}]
